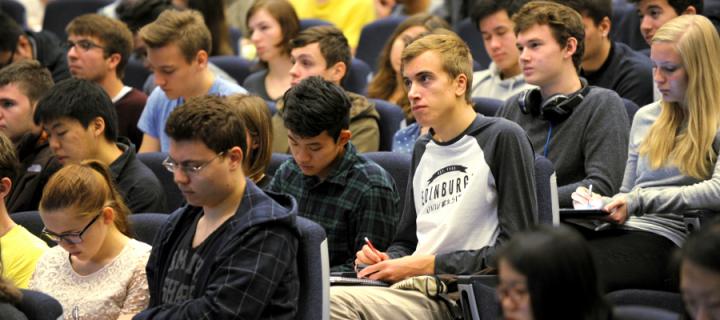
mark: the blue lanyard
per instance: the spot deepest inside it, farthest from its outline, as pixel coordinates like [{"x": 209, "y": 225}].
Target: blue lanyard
[{"x": 547, "y": 141}]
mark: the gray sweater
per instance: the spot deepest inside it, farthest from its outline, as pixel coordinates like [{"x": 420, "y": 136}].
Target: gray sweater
[
  {"x": 657, "y": 197},
  {"x": 589, "y": 147}
]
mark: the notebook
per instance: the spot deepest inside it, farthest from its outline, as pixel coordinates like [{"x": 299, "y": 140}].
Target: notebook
[{"x": 351, "y": 279}]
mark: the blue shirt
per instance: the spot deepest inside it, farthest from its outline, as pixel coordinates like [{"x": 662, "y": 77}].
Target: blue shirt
[
  {"x": 404, "y": 139},
  {"x": 158, "y": 108}
]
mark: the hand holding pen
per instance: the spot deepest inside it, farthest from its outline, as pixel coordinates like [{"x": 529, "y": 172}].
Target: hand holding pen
[{"x": 369, "y": 255}]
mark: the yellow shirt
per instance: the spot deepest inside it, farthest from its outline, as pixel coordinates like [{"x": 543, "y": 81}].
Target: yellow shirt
[
  {"x": 348, "y": 15},
  {"x": 20, "y": 253}
]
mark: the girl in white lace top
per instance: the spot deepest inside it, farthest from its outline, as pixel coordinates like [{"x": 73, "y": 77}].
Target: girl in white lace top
[{"x": 96, "y": 271}]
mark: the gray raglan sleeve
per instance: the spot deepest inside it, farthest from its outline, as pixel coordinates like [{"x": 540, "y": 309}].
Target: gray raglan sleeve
[
  {"x": 702, "y": 195},
  {"x": 511, "y": 159}
]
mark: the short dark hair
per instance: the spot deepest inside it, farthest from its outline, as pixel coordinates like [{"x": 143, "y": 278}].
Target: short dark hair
[
  {"x": 10, "y": 31},
  {"x": 315, "y": 105},
  {"x": 702, "y": 247},
  {"x": 564, "y": 22},
  {"x": 561, "y": 273},
  {"x": 32, "y": 79},
  {"x": 137, "y": 14},
  {"x": 78, "y": 99},
  {"x": 594, "y": 9},
  {"x": 9, "y": 165},
  {"x": 114, "y": 34},
  {"x": 334, "y": 46},
  {"x": 210, "y": 119},
  {"x": 486, "y": 8},
  {"x": 680, "y": 5}
]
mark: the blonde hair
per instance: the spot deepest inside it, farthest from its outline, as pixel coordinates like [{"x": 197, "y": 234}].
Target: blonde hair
[
  {"x": 256, "y": 115},
  {"x": 185, "y": 28},
  {"x": 87, "y": 188},
  {"x": 454, "y": 55},
  {"x": 683, "y": 136}
]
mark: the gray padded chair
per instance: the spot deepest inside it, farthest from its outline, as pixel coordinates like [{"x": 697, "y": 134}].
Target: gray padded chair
[
  {"x": 314, "y": 271},
  {"x": 39, "y": 306},
  {"x": 546, "y": 189},
  {"x": 145, "y": 226},
  {"x": 173, "y": 198},
  {"x": 398, "y": 166}
]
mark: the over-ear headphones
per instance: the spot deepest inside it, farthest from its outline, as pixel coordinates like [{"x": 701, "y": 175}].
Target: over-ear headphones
[{"x": 556, "y": 108}]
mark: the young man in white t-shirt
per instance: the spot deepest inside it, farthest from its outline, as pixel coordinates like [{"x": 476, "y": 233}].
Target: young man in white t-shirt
[{"x": 472, "y": 187}]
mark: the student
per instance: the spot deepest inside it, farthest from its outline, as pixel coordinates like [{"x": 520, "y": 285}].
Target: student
[
  {"x": 352, "y": 197},
  {"x": 503, "y": 78},
  {"x": 324, "y": 51},
  {"x": 22, "y": 84},
  {"x": 271, "y": 25},
  {"x": 610, "y": 64},
  {"x": 700, "y": 273},
  {"x": 81, "y": 124},
  {"x": 582, "y": 129},
  {"x": 18, "y": 45},
  {"x": 231, "y": 252},
  {"x": 549, "y": 273},
  {"x": 97, "y": 270},
  {"x": 20, "y": 248},
  {"x": 256, "y": 117},
  {"x": 675, "y": 171},
  {"x": 463, "y": 156},
  {"x": 387, "y": 82},
  {"x": 655, "y": 13},
  {"x": 178, "y": 49},
  {"x": 99, "y": 48}
]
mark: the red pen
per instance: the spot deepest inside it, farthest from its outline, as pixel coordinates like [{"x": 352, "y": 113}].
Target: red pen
[{"x": 372, "y": 247}]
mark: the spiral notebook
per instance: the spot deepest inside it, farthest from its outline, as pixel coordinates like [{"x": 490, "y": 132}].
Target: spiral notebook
[{"x": 351, "y": 279}]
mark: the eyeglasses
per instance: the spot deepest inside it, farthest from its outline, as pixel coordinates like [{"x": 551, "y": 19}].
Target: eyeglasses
[
  {"x": 513, "y": 290},
  {"x": 70, "y": 237},
  {"x": 188, "y": 168},
  {"x": 85, "y": 45},
  {"x": 10, "y": 60}
]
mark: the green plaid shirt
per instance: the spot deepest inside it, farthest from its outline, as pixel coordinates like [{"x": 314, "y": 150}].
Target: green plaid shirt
[{"x": 358, "y": 199}]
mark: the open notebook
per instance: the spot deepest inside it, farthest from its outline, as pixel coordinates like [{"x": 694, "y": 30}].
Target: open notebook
[{"x": 351, "y": 279}]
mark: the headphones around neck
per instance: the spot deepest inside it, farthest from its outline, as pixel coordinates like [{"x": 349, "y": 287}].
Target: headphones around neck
[{"x": 556, "y": 108}]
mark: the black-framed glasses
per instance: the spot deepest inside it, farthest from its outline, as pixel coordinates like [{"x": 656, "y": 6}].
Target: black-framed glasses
[
  {"x": 9, "y": 60},
  {"x": 70, "y": 237},
  {"x": 188, "y": 168},
  {"x": 85, "y": 45}
]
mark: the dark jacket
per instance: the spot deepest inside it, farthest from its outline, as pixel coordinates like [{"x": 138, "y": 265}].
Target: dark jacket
[
  {"x": 37, "y": 164},
  {"x": 253, "y": 270},
  {"x": 138, "y": 185},
  {"x": 48, "y": 50}
]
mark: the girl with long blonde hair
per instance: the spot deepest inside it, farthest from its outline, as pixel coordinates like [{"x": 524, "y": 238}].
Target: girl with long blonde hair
[{"x": 672, "y": 165}]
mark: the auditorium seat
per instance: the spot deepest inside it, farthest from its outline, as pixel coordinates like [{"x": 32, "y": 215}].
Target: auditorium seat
[
  {"x": 235, "y": 66},
  {"x": 373, "y": 37},
  {"x": 59, "y": 13},
  {"x": 145, "y": 226},
  {"x": 398, "y": 166},
  {"x": 472, "y": 36},
  {"x": 390, "y": 117},
  {"x": 356, "y": 79},
  {"x": 314, "y": 271},
  {"x": 173, "y": 198}
]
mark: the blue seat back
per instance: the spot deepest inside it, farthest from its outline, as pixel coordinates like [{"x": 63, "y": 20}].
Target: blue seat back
[
  {"x": 390, "y": 118},
  {"x": 486, "y": 106},
  {"x": 398, "y": 166},
  {"x": 373, "y": 37},
  {"x": 59, "y": 13},
  {"x": 472, "y": 36},
  {"x": 235, "y": 66},
  {"x": 356, "y": 79},
  {"x": 314, "y": 271},
  {"x": 153, "y": 160},
  {"x": 146, "y": 226}
]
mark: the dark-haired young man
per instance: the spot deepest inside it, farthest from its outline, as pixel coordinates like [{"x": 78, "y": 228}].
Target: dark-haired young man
[
  {"x": 610, "y": 64},
  {"x": 99, "y": 49},
  {"x": 349, "y": 195},
  {"x": 22, "y": 84},
  {"x": 324, "y": 51},
  {"x": 81, "y": 124},
  {"x": 655, "y": 13},
  {"x": 18, "y": 45},
  {"x": 472, "y": 187},
  {"x": 582, "y": 129},
  {"x": 231, "y": 252},
  {"x": 503, "y": 78}
]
